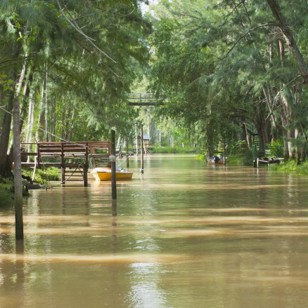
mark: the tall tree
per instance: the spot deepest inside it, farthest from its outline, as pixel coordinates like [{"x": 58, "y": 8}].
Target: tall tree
[
  {"x": 289, "y": 37},
  {"x": 216, "y": 62},
  {"x": 83, "y": 51}
]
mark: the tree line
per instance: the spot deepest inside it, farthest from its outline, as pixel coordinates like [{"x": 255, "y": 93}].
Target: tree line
[
  {"x": 65, "y": 68},
  {"x": 234, "y": 69}
]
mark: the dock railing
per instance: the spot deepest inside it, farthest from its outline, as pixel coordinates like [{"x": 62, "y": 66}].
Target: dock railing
[{"x": 69, "y": 156}]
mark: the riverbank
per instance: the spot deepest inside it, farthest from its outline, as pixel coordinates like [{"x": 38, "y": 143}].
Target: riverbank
[
  {"x": 42, "y": 177},
  {"x": 291, "y": 167}
]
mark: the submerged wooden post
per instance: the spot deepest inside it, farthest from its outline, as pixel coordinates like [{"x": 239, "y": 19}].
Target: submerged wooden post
[
  {"x": 113, "y": 166},
  {"x": 18, "y": 187},
  {"x": 86, "y": 167},
  {"x": 254, "y": 154}
]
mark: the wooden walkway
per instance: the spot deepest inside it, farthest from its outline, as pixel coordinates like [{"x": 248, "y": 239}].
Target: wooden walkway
[
  {"x": 143, "y": 99},
  {"x": 73, "y": 158}
]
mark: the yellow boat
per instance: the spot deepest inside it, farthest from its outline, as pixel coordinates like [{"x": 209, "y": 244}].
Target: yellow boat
[{"x": 104, "y": 174}]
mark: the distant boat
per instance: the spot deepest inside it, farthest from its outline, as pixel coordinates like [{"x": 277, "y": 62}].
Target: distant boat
[
  {"x": 216, "y": 160},
  {"x": 104, "y": 174}
]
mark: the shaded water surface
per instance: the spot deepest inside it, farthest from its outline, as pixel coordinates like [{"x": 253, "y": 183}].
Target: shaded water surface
[{"x": 186, "y": 235}]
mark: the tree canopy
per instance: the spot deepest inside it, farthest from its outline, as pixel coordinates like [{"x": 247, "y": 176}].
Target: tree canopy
[
  {"x": 224, "y": 65},
  {"x": 225, "y": 70},
  {"x": 73, "y": 62}
]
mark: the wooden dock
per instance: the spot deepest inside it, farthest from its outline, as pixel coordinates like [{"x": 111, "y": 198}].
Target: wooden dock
[
  {"x": 73, "y": 158},
  {"x": 266, "y": 161}
]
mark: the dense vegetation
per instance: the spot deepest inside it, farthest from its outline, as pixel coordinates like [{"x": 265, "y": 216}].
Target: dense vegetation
[
  {"x": 234, "y": 69},
  {"x": 229, "y": 73},
  {"x": 69, "y": 64}
]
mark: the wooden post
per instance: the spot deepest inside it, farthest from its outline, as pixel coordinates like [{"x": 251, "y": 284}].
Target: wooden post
[
  {"x": 86, "y": 167},
  {"x": 62, "y": 164},
  {"x": 113, "y": 166},
  {"x": 114, "y": 208},
  {"x": 254, "y": 153},
  {"x": 137, "y": 137},
  {"x": 18, "y": 187},
  {"x": 142, "y": 151},
  {"x": 127, "y": 154}
]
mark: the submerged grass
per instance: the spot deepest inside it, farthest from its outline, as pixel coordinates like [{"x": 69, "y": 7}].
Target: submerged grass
[{"x": 291, "y": 166}]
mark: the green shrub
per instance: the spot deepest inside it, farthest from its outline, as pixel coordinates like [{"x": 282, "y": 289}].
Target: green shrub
[
  {"x": 6, "y": 193},
  {"x": 275, "y": 149},
  {"x": 42, "y": 176},
  {"x": 239, "y": 154},
  {"x": 291, "y": 166}
]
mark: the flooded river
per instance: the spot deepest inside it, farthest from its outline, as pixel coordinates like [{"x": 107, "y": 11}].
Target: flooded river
[{"x": 185, "y": 235}]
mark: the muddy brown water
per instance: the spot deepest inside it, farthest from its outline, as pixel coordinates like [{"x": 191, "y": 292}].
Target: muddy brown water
[{"x": 186, "y": 235}]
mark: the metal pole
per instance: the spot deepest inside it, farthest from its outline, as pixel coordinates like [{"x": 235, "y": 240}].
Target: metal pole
[{"x": 113, "y": 166}]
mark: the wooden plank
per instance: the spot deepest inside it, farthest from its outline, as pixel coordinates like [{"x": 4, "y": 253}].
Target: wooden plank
[{"x": 141, "y": 104}]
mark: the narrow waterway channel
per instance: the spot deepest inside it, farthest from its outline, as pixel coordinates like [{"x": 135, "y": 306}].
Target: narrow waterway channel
[{"x": 186, "y": 235}]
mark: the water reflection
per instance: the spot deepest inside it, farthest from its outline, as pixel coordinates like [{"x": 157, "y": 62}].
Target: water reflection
[
  {"x": 184, "y": 235},
  {"x": 145, "y": 290}
]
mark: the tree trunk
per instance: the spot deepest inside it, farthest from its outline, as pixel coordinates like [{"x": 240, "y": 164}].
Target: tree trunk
[
  {"x": 5, "y": 163},
  {"x": 18, "y": 187},
  {"x": 287, "y": 116},
  {"x": 269, "y": 98},
  {"x": 17, "y": 173},
  {"x": 247, "y": 136},
  {"x": 282, "y": 24},
  {"x": 30, "y": 120},
  {"x": 46, "y": 109},
  {"x": 52, "y": 120},
  {"x": 5, "y": 168},
  {"x": 40, "y": 132}
]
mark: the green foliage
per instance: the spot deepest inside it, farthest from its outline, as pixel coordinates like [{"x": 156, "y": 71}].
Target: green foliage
[
  {"x": 174, "y": 150},
  {"x": 5, "y": 82},
  {"x": 291, "y": 166},
  {"x": 6, "y": 196},
  {"x": 217, "y": 64},
  {"x": 42, "y": 176},
  {"x": 239, "y": 154},
  {"x": 81, "y": 61},
  {"x": 275, "y": 149}
]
